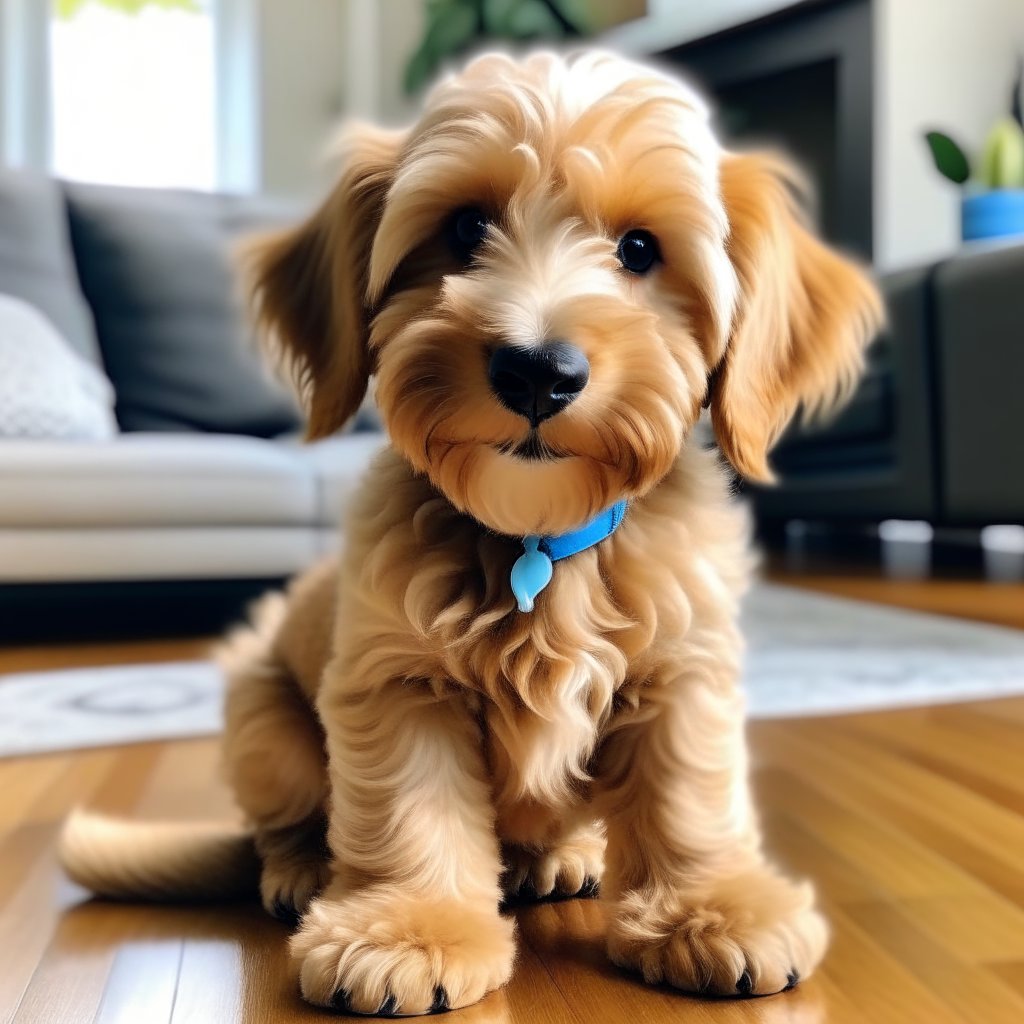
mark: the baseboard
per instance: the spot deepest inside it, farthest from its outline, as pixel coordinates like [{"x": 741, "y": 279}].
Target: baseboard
[{"x": 33, "y": 613}]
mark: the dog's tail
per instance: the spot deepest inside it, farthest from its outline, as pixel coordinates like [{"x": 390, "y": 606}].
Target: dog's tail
[{"x": 158, "y": 861}]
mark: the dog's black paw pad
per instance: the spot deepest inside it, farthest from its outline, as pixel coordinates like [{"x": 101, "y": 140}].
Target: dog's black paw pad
[
  {"x": 792, "y": 980},
  {"x": 745, "y": 986},
  {"x": 286, "y": 912},
  {"x": 590, "y": 888},
  {"x": 389, "y": 1008},
  {"x": 341, "y": 1001},
  {"x": 527, "y": 893},
  {"x": 440, "y": 1003}
]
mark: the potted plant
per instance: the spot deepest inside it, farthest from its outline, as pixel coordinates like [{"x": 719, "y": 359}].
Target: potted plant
[
  {"x": 455, "y": 26},
  {"x": 992, "y": 205}
]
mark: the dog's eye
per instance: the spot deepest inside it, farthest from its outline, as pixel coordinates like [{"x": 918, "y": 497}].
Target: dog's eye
[
  {"x": 467, "y": 230},
  {"x": 637, "y": 251}
]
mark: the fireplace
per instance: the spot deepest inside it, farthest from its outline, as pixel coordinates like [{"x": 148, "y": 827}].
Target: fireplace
[{"x": 800, "y": 80}]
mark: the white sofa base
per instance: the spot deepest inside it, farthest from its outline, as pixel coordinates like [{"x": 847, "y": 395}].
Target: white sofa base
[
  {"x": 239, "y": 552},
  {"x": 172, "y": 507}
]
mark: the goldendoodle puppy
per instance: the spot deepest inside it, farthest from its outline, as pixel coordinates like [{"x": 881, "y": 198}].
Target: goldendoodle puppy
[{"x": 522, "y": 672}]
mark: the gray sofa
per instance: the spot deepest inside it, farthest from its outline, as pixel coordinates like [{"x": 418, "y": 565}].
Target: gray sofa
[
  {"x": 936, "y": 430},
  {"x": 206, "y": 490}
]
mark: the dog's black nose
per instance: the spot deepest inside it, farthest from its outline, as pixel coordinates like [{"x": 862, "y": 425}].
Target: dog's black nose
[{"x": 538, "y": 381}]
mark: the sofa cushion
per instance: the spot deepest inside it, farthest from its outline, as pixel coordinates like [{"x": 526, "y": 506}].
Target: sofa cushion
[
  {"x": 47, "y": 390},
  {"x": 159, "y": 506},
  {"x": 979, "y": 345},
  {"x": 339, "y": 463},
  {"x": 155, "y": 267},
  {"x": 160, "y": 553},
  {"x": 154, "y": 480},
  {"x": 36, "y": 262}
]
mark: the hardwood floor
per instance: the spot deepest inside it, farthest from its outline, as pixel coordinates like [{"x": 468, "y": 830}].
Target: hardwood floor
[
  {"x": 910, "y": 822},
  {"x": 998, "y": 603}
]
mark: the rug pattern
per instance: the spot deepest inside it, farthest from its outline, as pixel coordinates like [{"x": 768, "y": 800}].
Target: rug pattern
[{"x": 808, "y": 654}]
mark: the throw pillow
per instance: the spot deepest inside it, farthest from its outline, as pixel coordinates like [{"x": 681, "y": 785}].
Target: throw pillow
[{"x": 46, "y": 389}]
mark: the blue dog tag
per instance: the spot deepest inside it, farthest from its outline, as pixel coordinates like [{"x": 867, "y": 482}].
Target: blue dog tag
[
  {"x": 532, "y": 570},
  {"x": 530, "y": 574}
]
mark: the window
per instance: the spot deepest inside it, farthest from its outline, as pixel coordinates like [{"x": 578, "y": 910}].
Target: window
[{"x": 133, "y": 92}]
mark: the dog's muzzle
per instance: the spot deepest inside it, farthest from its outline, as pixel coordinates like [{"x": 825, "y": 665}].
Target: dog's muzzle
[{"x": 539, "y": 381}]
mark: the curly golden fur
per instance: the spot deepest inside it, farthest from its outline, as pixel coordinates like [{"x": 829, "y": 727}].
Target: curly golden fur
[{"x": 451, "y": 746}]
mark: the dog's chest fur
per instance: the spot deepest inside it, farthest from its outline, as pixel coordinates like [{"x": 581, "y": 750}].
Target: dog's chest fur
[{"x": 432, "y": 587}]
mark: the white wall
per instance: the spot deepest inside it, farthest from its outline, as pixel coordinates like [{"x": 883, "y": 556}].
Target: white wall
[
  {"x": 402, "y": 25},
  {"x": 382, "y": 35},
  {"x": 321, "y": 61},
  {"x": 302, "y": 82},
  {"x": 943, "y": 64}
]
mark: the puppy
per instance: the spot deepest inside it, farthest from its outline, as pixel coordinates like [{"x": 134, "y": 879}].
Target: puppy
[{"x": 549, "y": 276}]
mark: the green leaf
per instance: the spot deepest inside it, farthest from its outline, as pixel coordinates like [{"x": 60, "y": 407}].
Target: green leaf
[
  {"x": 66, "y": 9},
  {"x": 532, "y": 20},
  {"x": 1002, "y": 158},
  {"x": 581, "y": 14},
  {"x": 451, "y": 27},
  {"x": 419, "y": 69},
  {"x": 498, "y": 15},
  {"x": 950, "y": 159}
]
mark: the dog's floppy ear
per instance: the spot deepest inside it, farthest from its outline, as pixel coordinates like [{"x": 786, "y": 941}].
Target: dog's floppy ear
[
  {"x": 309, "y": 284},
  {"x": 803, "y": 319}
]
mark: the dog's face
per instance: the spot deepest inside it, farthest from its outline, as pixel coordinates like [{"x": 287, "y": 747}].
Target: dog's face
[{"x": 549, "y": 275}]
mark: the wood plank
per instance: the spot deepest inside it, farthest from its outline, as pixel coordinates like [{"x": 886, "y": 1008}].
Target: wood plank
[
  {"x": 142, "y": 983},
  {"x": 532, "y": 993},
  {"x": 67, "y": 985},
  {"x": 1011, "y": 974},
  {"x": 888, "y": 982},
  {"x": 974, "y": 931},
  {"x": 186, "y": 783},
  {"x": 210, "y": 983},
  {"x": 895, "y": 864},
  {"x": 48, "y": 657},
  {"x": 23, "y": 781},
  {"x": 960, "y": 750},
  {"x": 29, "y": 910},
  {"x": 120, "y": 792},
  {"x": 938, "y": 817}
]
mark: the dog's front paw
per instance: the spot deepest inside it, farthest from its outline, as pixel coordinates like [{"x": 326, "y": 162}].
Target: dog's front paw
[
  {"x": 571, "y": 867},
  {"x": 388, "y": 954},
  {"x": 750, "y": 934}
]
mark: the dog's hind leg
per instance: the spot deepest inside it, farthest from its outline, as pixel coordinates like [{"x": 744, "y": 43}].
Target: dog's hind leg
[
  {"x": 295, "y": 862},
  {"x": 571, "y": 865},
  {"x": 275, "y": 762}
]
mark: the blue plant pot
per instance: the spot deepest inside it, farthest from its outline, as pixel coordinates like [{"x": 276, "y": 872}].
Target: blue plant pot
[{"x": 995, "y": 214}]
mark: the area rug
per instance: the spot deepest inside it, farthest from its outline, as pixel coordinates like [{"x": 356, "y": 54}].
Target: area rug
[{"x": 808, "y": 654}]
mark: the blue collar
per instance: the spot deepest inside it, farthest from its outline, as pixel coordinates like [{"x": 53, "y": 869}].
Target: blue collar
[{"x": 532, "y": 570}]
